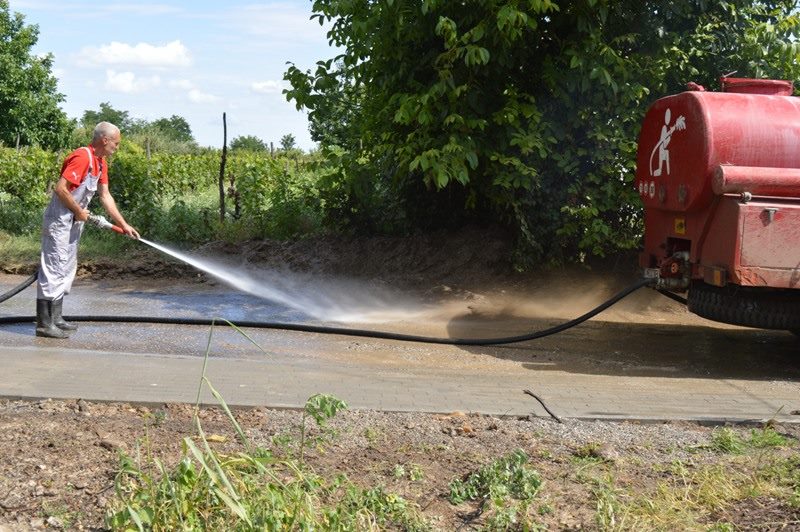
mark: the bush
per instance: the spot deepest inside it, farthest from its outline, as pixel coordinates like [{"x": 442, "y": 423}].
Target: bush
[{"x": 175, "y": 196}]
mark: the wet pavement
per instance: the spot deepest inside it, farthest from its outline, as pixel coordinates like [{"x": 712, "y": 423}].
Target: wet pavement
[{"x": 647, "y": 359}]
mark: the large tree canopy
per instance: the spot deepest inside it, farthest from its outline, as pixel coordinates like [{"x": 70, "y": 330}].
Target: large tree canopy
[
  {"x": 29, "y": 98},
  {"x": 171, "y": 134},
  {"x": 248, "y": 142},
  {"x": 524, "y": 110},
  {"x": 107, "y": 113},
  {"x": 175, "y": 127}
]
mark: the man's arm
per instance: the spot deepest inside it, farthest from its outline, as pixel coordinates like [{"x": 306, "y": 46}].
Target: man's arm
[
  {"x": 63, "y": 193},
  {"x": 107, "y": 200}
]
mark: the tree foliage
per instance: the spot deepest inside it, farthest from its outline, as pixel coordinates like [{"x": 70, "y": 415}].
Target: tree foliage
[
  {"x": 523, "y": 111},
  {"x": 288, "y": 142},
  {"x": 175, "y": 128},
  {"x": 248, "y": 143},
  {"x": 29, "y": 98},
  {"x": 171, "y": 134},
  {"x": 107, "y": 113}
]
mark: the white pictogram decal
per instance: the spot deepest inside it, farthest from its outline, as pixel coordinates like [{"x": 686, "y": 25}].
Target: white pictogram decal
[{"x": 663, "y": 142}]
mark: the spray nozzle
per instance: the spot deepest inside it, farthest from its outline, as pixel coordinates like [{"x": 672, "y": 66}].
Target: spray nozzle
[{"x": 101, "y": 222}]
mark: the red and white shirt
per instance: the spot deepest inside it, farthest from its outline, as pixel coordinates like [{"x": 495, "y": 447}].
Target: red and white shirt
[{"x": 76, "y": 166}]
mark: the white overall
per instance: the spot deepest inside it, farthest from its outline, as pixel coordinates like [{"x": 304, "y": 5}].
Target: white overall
[{"x": 60, "y": 236}]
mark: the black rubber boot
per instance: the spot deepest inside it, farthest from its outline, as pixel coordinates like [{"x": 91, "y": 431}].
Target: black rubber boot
[
  {"x": 44, "y": 321},
  {"x": 58, "y": 320}
]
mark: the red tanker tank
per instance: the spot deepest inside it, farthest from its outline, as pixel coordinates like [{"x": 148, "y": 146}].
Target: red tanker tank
[{"x": 719, "y": 177}]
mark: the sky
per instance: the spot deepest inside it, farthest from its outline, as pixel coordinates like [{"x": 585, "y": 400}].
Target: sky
[{"x": 195, "y": 59}]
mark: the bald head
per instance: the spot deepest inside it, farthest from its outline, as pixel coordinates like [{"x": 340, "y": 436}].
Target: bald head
[
  {"x": 104, "y": 129},
  {"x": 105, "y": 139}
]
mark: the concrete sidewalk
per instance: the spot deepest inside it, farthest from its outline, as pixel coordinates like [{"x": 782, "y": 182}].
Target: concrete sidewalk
[{"x": 63, "y": 373}]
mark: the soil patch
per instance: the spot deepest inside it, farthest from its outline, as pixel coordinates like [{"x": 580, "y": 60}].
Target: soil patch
[{"x": 59, "y": 460}]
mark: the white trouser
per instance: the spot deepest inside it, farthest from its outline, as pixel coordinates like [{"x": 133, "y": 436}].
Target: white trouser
[{"x": 60, "y": 237}]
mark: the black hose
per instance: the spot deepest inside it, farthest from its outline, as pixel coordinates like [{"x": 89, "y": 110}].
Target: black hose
[
  {"x": 22, "y": 286},
  {"x": 353, "y": 332}
]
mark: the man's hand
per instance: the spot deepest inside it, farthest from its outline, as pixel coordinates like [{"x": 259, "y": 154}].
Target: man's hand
[
  {"x": 81, "y": 216},
  {"x": 130, "y": 231}
]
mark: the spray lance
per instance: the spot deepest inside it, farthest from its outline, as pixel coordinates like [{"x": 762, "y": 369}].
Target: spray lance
[{"x": 101, "y": 222}]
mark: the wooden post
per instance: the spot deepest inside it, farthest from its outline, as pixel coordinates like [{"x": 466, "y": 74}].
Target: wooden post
[{"x": 222, "y": 169}]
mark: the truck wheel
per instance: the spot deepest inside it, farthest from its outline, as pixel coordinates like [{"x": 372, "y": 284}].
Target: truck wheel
[{"x": 763, "y": 308}]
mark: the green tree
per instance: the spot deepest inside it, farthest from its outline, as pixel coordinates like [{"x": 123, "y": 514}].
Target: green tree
[
  {"x": 171, "y": 135},
  {"x": 29, "y": 98},
  {"x": 107, "y": 113},
  {"x": 288, "y": 142},
  {"x": 523, "y": 111},
  {"x": 175, "y": 127},
  {"x": 332, "y": 115},
  {"x": 248, "y": 143}
]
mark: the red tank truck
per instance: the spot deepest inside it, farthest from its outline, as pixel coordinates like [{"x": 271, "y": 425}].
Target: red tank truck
[{"x": 719, "y": 177}]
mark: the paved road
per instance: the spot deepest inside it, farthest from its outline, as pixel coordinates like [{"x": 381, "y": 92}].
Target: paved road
[{"x": 646, "y": 360}]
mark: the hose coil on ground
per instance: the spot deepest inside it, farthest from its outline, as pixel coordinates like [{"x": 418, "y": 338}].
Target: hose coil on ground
[{"x": 19, "y": 288}]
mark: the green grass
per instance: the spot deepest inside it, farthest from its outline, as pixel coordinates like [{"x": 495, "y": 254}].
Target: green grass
[
  {"x": 19, "y": 251},
  {"x": 767, "y": 437},
  {"x": 250, "y": 489},
  {"x": 734, "y": 468},
  {"x": 726, "y": 441},
  {"x": 22, "y": 251}
]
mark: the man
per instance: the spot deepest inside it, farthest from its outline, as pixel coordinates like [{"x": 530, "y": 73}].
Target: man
[{"x": 83, "y": 173}]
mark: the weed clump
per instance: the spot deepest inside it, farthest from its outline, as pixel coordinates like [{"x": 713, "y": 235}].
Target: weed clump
[
  {"x": 248, "y": 490},
  {"x": 506, "y": 489},
  {"x": 251, "y": 489}
]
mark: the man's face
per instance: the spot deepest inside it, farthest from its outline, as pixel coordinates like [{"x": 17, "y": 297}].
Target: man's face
[{"x": 111, "y": 143}]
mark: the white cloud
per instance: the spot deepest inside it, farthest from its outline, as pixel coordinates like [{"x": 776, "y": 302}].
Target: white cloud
[
  {"x": 194, "y": 94},
  {"x": 173, "y": 54},
  {"x": 127, "y": 82},
  {"x": 198, "y": 96},
  {"x": 182, "y": 84},
  {"x": 267, "y": 87}
]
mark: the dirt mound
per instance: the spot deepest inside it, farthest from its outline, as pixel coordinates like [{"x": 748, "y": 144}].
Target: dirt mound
[
  {"x": 469, "y": 255},
  {"x": 441, "y": 256},
  {"x": 472, "y": 258}
]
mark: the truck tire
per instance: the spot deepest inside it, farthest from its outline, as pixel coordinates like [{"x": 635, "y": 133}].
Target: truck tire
[{"x": 763, "y": 308}]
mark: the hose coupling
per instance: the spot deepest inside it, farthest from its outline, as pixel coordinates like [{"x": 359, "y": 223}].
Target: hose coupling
[
  {"x": 100, "y": 221},
  {"x": 674, "y": 273}
]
